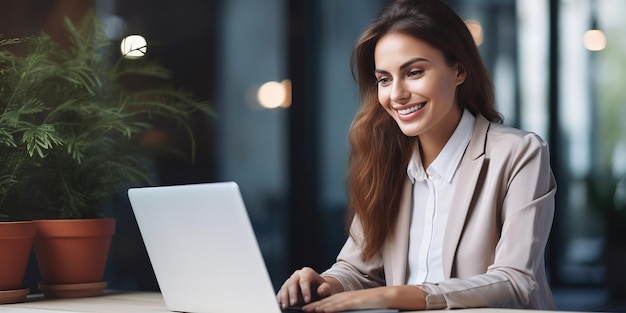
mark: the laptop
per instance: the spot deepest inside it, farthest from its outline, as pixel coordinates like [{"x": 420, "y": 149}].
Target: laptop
[{"x": 203, "y": 248}]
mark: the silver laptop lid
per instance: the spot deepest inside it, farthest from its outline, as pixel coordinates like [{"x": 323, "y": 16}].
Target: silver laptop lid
[{"x": 203, "y": 249}]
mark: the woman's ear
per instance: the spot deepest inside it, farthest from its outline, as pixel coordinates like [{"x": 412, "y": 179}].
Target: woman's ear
[{"x": 461, "y": 73}]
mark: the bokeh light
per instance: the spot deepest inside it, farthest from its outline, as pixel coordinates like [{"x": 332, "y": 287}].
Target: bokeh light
[
  {"x": 476, "y": 29},
  {"x": 134, "y": 47},
  {"x": 274, "y": 94},
  {"x": 594, "y": 40}
]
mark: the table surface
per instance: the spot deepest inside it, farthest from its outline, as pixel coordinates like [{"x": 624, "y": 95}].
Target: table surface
[
  {"x": 138, "y": 302},
  {"x": 109, "y": 302}
]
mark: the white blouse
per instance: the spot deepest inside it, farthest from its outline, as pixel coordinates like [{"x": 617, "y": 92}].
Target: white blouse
[{"x": 432, "y": 195}]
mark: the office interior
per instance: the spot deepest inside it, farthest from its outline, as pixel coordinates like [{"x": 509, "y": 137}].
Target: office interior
[{"x": 277, "y": 74}]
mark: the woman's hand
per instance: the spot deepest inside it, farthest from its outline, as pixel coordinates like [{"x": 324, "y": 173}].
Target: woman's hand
[
  {"x": 397, "y": 297},
  {"x": 305, "y": 285}
]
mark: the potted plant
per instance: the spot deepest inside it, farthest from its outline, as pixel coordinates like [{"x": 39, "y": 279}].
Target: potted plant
[
  {"x": 75, "y": 119},
  {"x": 16, "y": 240},
  {"x": 16, "y": 233}
]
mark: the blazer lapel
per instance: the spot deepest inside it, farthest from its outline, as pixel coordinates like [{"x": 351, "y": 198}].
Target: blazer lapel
[
  {"x": 469, "y": 172},
  {"x": 396, "y": 250}
]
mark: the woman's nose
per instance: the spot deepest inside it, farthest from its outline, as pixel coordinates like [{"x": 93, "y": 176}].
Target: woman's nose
[{"x": 399, "y": 91}]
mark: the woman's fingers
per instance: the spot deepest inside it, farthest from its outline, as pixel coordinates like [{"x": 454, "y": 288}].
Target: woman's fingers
[
  {"x": 324, "y": 290},
  {"x": 309, "y": 279},
  {"x": 299, "y": 287},
  {"x": 284, "y": 294}
]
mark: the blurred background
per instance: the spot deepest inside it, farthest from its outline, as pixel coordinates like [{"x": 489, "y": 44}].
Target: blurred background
[{"x": 277, "y": 74}]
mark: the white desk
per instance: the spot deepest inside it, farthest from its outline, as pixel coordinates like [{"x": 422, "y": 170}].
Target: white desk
[
  {"x": 136, "y": 302},
  {"x": 109, "y": 302}
]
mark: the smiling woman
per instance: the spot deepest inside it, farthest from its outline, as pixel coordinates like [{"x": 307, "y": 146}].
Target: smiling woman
[
  {"x": 448, "y": 207},
  {"x": 418, "y": 90}
]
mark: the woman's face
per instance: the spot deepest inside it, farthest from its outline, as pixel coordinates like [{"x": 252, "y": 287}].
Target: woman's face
[{"x": 416, "y": 86}]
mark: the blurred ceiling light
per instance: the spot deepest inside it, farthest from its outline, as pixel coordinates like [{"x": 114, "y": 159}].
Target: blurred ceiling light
[
  {"x": 274, "y": 94},
  {"x": 133, "y": 47},
  {"x": 594, "y": 40},
  {"x": 476, "y": 29}
]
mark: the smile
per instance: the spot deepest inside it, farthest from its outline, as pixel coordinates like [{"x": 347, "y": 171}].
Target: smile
[{"x": 411, "y": 109}]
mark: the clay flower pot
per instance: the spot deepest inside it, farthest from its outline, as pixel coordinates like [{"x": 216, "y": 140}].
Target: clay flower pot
[
  {"x": 72, "y": 256},
  {"x": 16, "y": 241}
]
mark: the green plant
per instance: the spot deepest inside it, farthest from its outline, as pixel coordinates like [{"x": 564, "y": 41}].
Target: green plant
[{"x": 71, "y": 119}]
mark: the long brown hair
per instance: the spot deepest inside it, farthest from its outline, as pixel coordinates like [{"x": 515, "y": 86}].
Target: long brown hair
[{"x": 380, "y": 152}]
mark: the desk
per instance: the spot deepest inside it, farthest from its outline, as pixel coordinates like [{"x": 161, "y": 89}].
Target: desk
[
  {"x": 138, "y": 302},
  {"x": 109, "y": 302}
]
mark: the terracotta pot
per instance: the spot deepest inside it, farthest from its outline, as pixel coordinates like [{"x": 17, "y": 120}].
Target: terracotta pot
[
  {"x": 16, "y": 241},
  {"x": 72, "y": 255}
]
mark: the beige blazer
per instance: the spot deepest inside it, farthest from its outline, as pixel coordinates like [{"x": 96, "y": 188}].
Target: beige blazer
[{"x": 494, "y": 242}]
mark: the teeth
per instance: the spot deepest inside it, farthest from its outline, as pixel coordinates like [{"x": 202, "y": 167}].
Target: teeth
[{"x": 411, "y": 109}]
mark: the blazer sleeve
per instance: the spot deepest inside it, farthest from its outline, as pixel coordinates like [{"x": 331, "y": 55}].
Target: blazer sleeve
[
  {"x": 516, "y": 197},
  {"x": 350, "y": 270}
]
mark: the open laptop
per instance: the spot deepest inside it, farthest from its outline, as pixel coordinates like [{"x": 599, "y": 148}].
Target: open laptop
[{"x": 203, "y": 249}]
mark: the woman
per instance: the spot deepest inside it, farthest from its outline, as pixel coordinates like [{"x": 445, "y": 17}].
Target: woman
[{"x": 448, "y": 207}]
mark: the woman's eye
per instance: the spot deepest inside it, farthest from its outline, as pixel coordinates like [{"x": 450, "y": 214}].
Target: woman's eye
[
  {"x": 416, "y": 73},
  {"x": 382, "y": 81}
]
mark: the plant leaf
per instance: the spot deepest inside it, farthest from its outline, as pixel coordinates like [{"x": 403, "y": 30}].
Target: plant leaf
[
  {"x": 6, "y": 138},
  {"x": 40, "y": 138}
]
